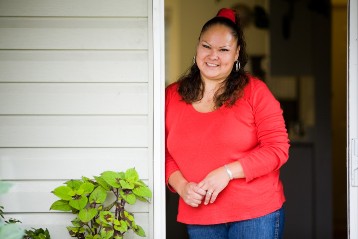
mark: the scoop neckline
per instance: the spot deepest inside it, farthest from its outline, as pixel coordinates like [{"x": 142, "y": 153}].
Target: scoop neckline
[{"x": 205, "y": 113}]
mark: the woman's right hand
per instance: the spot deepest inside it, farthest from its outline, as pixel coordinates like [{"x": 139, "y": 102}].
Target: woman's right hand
[
  {"x": 192, "y": 194},
  {"x": 188, "y": 191}
]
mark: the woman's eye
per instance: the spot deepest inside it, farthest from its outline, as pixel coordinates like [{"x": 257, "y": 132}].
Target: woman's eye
[
  {"x": 224, "y": 50},
  {"x": 206, "y": 46}
]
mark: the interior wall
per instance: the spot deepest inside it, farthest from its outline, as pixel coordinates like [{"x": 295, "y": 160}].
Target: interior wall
[
  {"x": 172, "y": 39},
  {"x": 339, "y": 126}
]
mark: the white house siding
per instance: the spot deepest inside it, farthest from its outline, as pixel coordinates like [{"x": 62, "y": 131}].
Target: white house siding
[{"x": 76, "y": 98}]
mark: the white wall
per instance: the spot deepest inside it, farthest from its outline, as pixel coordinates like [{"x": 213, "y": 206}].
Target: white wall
[{"x": 76, "y": 99}]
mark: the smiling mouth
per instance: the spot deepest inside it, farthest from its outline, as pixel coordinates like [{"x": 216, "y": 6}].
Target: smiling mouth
[{"x": 211, "y": 64}]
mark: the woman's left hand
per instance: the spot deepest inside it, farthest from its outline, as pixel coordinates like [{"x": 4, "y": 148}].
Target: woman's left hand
[{"x": 214, "y": 183}]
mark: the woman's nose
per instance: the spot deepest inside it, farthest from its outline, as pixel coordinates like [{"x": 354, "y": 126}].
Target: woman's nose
[{"x": 213, "y": 54}]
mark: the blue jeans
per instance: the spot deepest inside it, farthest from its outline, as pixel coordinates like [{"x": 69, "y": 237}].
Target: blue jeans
[{"x": 269, "y": 226}]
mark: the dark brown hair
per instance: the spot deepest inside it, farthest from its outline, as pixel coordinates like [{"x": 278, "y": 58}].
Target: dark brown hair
[{"x": 191, "y": 87}]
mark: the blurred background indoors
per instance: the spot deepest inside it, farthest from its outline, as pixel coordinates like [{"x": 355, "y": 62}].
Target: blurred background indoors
[{"x": 298, "y": 47}]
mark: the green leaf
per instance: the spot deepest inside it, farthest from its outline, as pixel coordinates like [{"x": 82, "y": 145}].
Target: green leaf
[
  {"x": 142, "y": 199},
  {"x": 129, "y": 216},
  {"x": 122, "y": 226},
  {"x": 75, "y": 230},
  {"x": 131, "y": 175},
  {"x": 140, "y": 183},
  {"x": 139, "y": 231},
  {"x": 63, "y": 192},
  {"x": 126, "y": 185},
  {"x": 74, "y": 184},
  {"x": 142, "y": 192},
  {"x": 61, "y": 205},
  {"x": 11, "y": 231},
  {"x": 86, "y": 180},
  {"x": 112, "y": 178},
  {"x": 107, "y": 233},
  {"x": 4, "y": 187},
  {"x": 94, "y": 237},
  {"x": 12, "y": 220},
  {"x": 76, "y": 222},
  {"x": 106, "y": 217},
  {"x": 79, "y": 203},
  {"x": 86, "y": 215},
  {"x": 98, "y": 195},
  {"x": 80, "y": 191},
  {"x": 87, "y": 188},
  {"x": 129, "y": 198},
  {"x": 102, "y": 182}
]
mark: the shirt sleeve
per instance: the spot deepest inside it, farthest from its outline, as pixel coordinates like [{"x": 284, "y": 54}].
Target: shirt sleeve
[
  {"x": 273, "y": 143},
  {"x": 170, "y": 164}
]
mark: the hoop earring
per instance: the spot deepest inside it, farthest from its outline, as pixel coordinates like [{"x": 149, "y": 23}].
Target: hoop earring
[
  {"x": 194, "y": 60},
  {"x": 237, "y": 66}
]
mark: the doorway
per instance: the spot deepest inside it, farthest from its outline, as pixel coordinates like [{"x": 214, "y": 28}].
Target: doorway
[{"x": 299, "y": 59}]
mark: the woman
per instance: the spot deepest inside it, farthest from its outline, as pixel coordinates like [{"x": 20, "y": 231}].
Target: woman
[{"x": 225, "y": 141}]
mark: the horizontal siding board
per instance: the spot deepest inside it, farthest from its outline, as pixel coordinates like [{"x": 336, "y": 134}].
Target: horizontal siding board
[
  {"x": 65, "y": 8},
  {"x": 69, "y": 163},
  {"x": 73, "y": 66},
  {"x": 36, "y": 196},
  {"x": 73, "y": 131},
  {"x": 56, "y": 223},
  {"x": 73, "y": 33},
  {"x": 76, "y": 98}
]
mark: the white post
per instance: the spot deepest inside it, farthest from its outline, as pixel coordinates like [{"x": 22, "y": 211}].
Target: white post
[
  {"x": 352, "y": 131},
  {"x": 159, "y": 220}
]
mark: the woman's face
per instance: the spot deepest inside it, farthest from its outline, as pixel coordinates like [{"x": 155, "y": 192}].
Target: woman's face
[{"x": 216, "y": 53}]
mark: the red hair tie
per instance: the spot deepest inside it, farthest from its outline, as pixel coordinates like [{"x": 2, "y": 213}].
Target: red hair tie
[{"x": 227, "y": 13}]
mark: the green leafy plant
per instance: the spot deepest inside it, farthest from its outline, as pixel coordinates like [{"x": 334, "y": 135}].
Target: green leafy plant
[
  {"x": 10, "y": 229},
  {"x": 37, "y": 234},
  {"x": 99, "y": 204}
]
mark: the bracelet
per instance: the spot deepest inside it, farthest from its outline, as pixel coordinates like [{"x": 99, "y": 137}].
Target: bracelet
[{"x": 229, "y": 173}]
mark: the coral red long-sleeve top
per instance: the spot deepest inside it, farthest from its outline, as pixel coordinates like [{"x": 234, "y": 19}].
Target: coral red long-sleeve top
[{"x": 252, "y": 132}]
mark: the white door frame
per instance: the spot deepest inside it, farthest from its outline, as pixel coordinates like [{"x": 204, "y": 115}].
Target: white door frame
[
  {"x": 352, "y": 117},
  {"x": 158, "y": 220}
]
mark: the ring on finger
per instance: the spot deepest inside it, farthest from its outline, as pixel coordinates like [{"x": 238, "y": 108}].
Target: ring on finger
[{"x": 209, "y": 193}]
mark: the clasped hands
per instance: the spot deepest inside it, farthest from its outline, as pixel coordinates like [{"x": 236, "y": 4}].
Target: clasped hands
[{"x": 207, "y": 190}]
